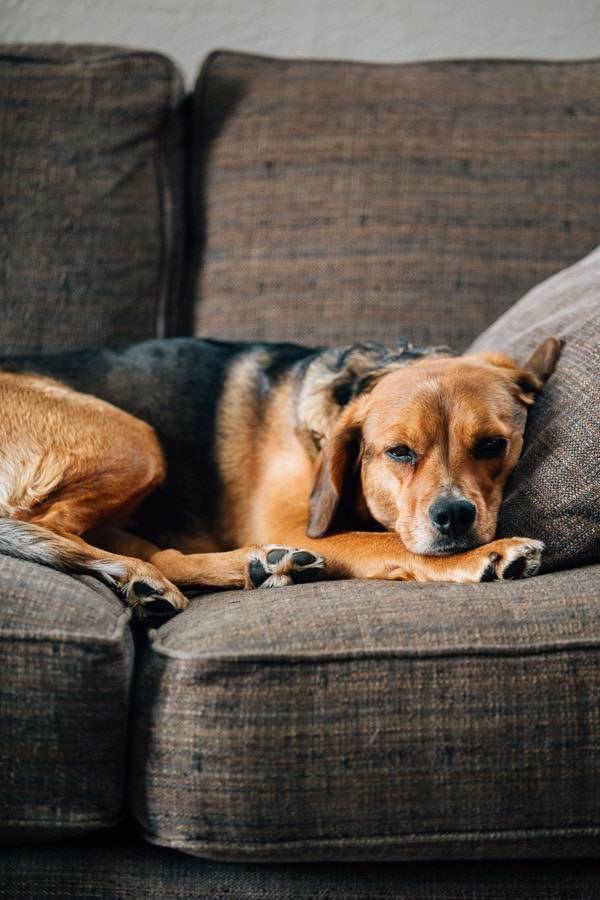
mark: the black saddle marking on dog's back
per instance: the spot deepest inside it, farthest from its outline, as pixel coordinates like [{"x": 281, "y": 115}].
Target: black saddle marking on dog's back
[{"x": 176, "y": 386}]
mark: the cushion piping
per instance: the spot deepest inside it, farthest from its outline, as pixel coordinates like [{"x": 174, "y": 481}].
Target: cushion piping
[
  {"x": 381, "y": 653},
  {"x": 307, "y": 60},
  {"x": 121, "y": 624},
  {"x": 408, "y": 839}
]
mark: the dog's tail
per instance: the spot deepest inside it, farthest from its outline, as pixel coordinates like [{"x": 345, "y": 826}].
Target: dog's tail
[{"x": 24, "y": 540}]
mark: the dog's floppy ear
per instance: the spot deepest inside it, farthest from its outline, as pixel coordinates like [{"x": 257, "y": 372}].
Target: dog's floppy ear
[
  {"x": 538, "y": 368},
  {"x": 338, "y": 456}
]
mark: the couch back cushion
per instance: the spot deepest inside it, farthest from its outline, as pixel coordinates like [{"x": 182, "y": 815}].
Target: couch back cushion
[
  {"x": 554, "y": 493},
  {"x": 91, "y": 225},
  {"x": 343, "y": 201}
]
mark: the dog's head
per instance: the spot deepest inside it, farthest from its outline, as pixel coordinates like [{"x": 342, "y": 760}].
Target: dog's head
[{"x": 430, "y": 447}]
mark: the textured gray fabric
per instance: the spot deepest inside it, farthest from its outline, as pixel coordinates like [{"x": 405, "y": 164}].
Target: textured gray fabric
[
  {"x": 122, "y": 869},
  {"x": 91, "y": 220},
  {"x": 66, "y": 657},
  {"x": 554, "y": 493},
  {"x": 372, "y": 720},
  {"x": 344, "y": 201}
]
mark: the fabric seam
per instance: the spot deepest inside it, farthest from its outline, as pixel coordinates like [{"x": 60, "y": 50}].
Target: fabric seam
[
  {"x": 122, "y": 621},
  {"x": 380, "y": 653},
  {"x": 123, "y": 53},
  {"x": 506, "y": 61},
  {"x": 407, "y": 838},
  {"x": 42, "y": 823}
]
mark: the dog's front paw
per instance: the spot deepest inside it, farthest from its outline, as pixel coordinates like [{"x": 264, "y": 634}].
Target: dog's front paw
[
  {"x": 274, "y": 566},
  {"x": 511, "y": 558}
]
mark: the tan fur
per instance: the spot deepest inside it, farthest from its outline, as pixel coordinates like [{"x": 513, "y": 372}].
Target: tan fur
[
  {"x": 70, "y": 462},
  {"x": 74, "y": 467},
  {"x": 238, "y": 439}
]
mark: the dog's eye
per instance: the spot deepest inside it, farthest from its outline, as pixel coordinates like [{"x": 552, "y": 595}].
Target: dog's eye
[
  {"x": 488, "y": 448},
  {"x": 401, "y": 453}
]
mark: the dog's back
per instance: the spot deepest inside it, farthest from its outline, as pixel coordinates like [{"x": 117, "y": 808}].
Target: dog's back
[
  {"x": 178, "y": 386},
  {"x": 192, "y": 390}
]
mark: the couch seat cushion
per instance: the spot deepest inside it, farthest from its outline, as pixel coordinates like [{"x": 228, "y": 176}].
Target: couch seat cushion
[
  {"x": 117, "y": 868},
  {"x": 554, "y": 493},
  {"x": 91, "y": 224},
  {"x": 374, "y": 720},
  {"x": 342, "y": 201},
  {"x": 65, "y": 668}
]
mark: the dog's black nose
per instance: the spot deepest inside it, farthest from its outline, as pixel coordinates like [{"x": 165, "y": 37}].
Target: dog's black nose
[{"x": 452, "y": 518}]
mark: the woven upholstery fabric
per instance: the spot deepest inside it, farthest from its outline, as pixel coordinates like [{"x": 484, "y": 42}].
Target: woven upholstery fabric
[
  {"x": 345, "y": 201},
  {"x": 65, "y": 669},
  {"x": 91, "y": 223},
  {"x": 374, "y": 720},
  {"x": 125, "y": 869},
  {"x": 554, "y": 493}
]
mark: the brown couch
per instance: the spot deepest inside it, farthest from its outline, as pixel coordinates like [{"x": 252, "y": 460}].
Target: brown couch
[{"x": 350, "y": 739}]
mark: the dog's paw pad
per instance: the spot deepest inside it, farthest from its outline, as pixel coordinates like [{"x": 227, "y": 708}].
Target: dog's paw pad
[
  {"x": 520, "y": 558},
  {"x": 280, "y": 566},
  {"x": 275, "y": 556},
  {"x": 489, "y": 573},
  {"x": 153, "y": 595},
  {"x": 303, "y": 559},
  {"x": 257, "y": 572},
  {"x": 142, "y": 589},
  {"x": 515, "y": 569},
  {"x": 156, "y": 610}
]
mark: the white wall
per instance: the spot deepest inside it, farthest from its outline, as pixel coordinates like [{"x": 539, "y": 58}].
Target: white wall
[{"x": 385, "y": 30}]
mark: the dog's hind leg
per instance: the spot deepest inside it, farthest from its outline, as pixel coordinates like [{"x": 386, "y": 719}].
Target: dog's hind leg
[
  {"x": 69, "y": 463},
  {"x": 142, "y": 584}
]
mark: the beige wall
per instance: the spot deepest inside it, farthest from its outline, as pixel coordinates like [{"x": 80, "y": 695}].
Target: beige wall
[{"x": 386, "y": 30}]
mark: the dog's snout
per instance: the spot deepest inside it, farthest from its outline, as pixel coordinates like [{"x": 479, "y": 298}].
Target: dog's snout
[{"x": 452, "y": 518}]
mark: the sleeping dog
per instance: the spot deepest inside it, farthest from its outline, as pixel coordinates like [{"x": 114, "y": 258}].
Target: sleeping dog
[{"x": 176, "y": 465}]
